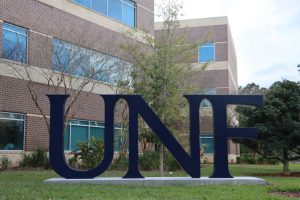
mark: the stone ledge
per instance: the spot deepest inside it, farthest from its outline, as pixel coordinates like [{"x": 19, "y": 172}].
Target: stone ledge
[{"x": 162, "y": 181}]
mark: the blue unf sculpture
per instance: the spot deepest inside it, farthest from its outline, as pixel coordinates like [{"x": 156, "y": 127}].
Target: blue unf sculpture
[{"x": 137, "y": 106}]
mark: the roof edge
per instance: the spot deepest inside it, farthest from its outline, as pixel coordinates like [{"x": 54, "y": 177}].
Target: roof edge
[{"x": 211, "y": 21}]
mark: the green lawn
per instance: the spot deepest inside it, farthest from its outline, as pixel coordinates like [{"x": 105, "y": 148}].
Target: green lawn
[{"x": 29, "y": 185}]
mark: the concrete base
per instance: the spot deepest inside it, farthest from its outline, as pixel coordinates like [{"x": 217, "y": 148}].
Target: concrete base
[{"x": 160, "y": 181}]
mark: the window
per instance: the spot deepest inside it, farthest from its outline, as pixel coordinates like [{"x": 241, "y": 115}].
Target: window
[
  {"x": 208, "y": 142},
  {"x": 14, "y": 41},
  {"x": 83, "y": 131},
  {"x": 79, "y": 61},
  {"x": 11, "y": 131},
  {"x": 206, "y": 52},
  {"x": 128, "y": 14},
  {"x": 120, "y": 10}
]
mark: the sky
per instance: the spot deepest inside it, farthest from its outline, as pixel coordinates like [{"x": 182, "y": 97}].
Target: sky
[{"x": 266, "y": 35}]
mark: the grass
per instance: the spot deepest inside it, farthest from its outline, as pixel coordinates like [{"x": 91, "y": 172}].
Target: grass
[{"x": 29, "y": 185}]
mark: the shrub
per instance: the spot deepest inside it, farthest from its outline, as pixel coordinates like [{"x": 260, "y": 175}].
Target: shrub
[
  {"x": 37, "y": 159},
  {"x": 248, "y": 158},
  {"x": 170, "y": 163},
  {"x": 121, "y": 163},
  {"x": 149, "y": 160},
  {"x": 89, "y": 155},
  {"x": 4, "y": 163}
]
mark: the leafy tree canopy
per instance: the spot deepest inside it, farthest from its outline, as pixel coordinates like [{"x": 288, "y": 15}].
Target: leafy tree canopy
[{"x": 278, "y": 123}]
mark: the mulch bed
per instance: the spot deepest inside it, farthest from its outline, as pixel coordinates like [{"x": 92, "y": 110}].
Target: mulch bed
[{"x": 288, "y": 194}]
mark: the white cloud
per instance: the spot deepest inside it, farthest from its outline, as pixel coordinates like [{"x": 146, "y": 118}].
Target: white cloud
[{"x": 266, "y": 34}]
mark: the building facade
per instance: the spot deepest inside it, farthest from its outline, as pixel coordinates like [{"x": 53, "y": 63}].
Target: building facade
[
  {"x": 37, "y": 36},
  {"x": 216, "y": 49}
]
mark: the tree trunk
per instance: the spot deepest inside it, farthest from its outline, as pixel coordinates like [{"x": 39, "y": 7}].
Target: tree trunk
[
  {"x": 286, "y": 170},
  {"x": 161, "y": 160},
  {"x": 285, "y": 162}
]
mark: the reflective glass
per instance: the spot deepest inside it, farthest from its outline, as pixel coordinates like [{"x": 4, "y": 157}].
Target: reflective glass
[
  {"x": 128, "y": 15},
  {"x": 82, "y": 130},
  {"x": 206, "y": 53},
  {"x": 98, "y": 133},
  {"x": 14, "y": 43},
  {"x": 11, "y": 134},
  {"x": 85, "y": 3},
  {"x": 11, "y": 116},
  {"x": 78, "y": 134},
  {"x": 209, "y": 144},
  {"x": 67, "y": 138},
  {"x": 115, "y": 9},
  {"x": 100, "y": 6}
]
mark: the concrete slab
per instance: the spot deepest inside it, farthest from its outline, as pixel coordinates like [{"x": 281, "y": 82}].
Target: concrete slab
[{"x": 162, "y": 181}]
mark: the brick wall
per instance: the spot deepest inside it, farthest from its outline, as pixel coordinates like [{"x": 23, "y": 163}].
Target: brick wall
[
  {"x": 50, "y": 21},
  {"x": 0, "y": 36},
  {"x": 202, "y": 34},
  {"x": 36, "y": 135},
  {"x": 210, "y": 79},
  {"x": 15, "y": 97},
  {"x": 39, "y": 50}
]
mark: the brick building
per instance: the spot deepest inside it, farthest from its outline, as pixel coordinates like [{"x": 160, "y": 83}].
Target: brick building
[
  {"x": 43, "y": 31},
  {"x": 220, "y": 76}
]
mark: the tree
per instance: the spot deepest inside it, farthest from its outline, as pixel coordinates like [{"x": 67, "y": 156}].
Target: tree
[
  {"x": 278, "y": 123},
  {"x": 160, "y": 72},
  {"x": 252, "y": 89}
]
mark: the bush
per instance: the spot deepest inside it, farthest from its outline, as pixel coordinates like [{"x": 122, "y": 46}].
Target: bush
[
  {"x": 88, "y": 155},
  {"x": 247, "y": 158},
  {"x": 4, "y": 163},
  {"x": 149, "y": 160},
  {"x": 37, "y": 159},
  {"x": 170, "y": 163},
  {"x": 121, "y": 163}
]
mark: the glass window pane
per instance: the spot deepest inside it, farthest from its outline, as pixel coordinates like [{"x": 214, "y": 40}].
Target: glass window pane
[
  {"x": 61, "y": 57},
  {"x": 15, "y": 29},
  {"x": 67, "y": 139},
  {"x": 79, "y": 61},
  {"x": 85, "y": 3},
  {"x": 78, "y": 134},
  {"x": 209, "y": 144},
  {"x": 206, "y": 52},
  {"x": 115, "y": 9},
  {"x": 11, "y": 134},
  {"x": 83, "y": 123},
  {"x": 69, "y": 58},
  {"x": 130, "y": 3},
  {"x": 128, "y": 15},
  {"x": 11, "y": 116},
  {"x": 14, "y": 42},
  {"x": 100, "y": 6},
  {"x": 98, "y": 133}
]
